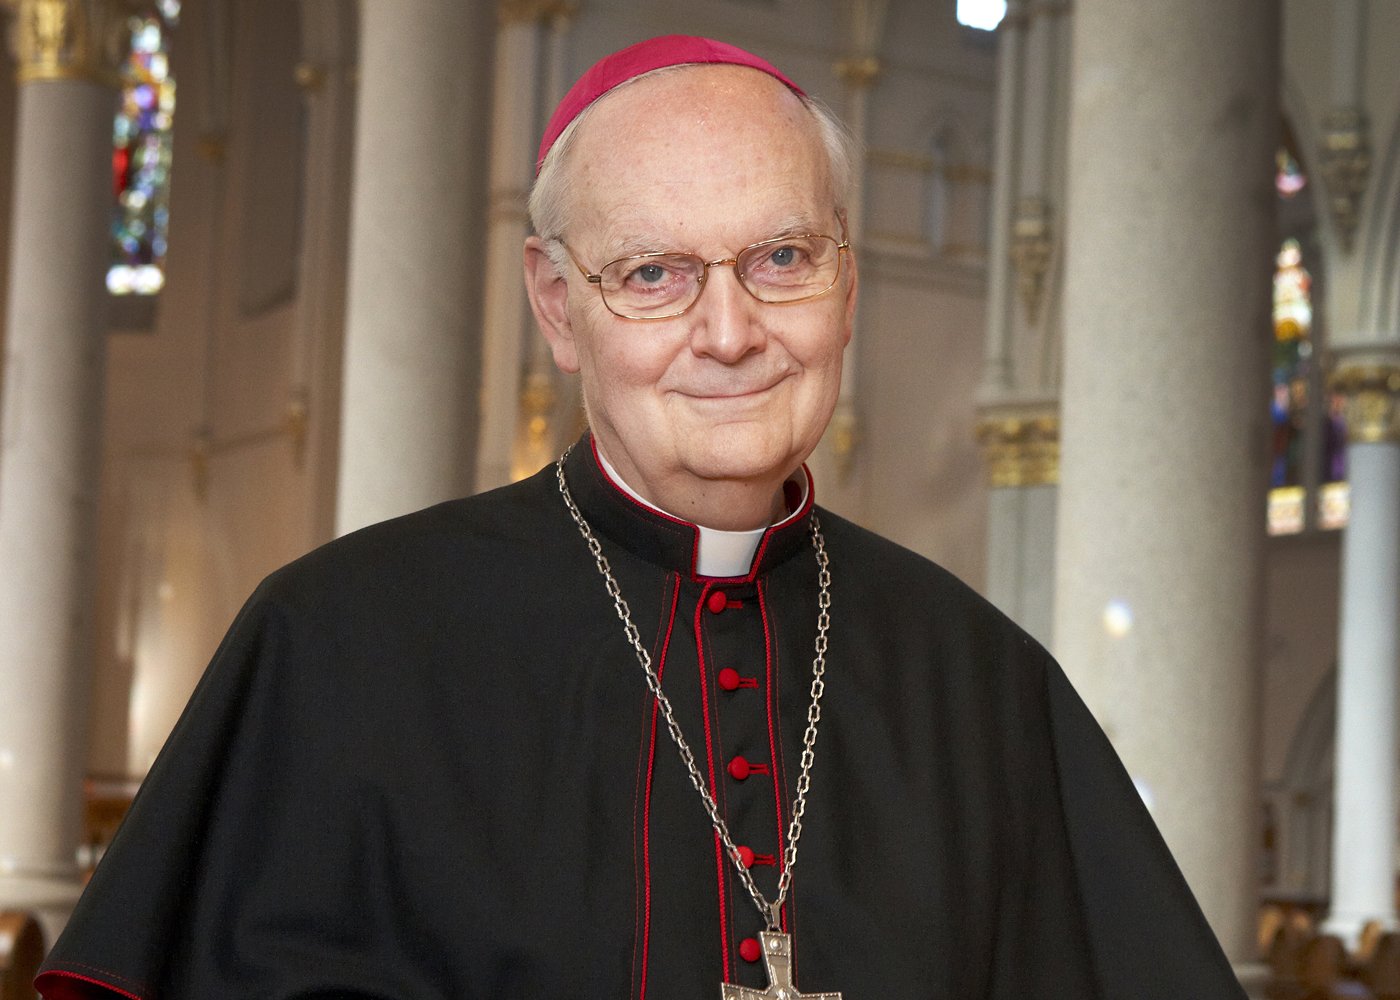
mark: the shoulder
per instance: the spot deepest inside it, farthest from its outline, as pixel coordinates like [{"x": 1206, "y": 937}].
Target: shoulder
[
  {"x": 464, "y": 546},
  {"x": 895, "y": 592}
]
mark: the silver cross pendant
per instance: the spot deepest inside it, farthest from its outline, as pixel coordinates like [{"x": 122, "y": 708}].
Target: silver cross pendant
[{"x": 777, "y": 957}]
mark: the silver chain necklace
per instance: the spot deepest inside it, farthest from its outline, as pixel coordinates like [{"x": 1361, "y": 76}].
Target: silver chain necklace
[{"x": 777, "y": 947}]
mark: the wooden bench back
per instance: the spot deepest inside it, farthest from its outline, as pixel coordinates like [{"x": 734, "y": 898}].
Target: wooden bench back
[{"x": 21, "y": 951}]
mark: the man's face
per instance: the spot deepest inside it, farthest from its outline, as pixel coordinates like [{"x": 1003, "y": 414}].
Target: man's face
[{"x": 706, "y": 160}]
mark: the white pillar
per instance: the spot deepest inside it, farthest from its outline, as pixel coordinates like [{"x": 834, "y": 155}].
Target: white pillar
[
  {"x": 864, "y": 26},
  {"x": 412, "y": 340},
  {"x": 1161, "y": 502},
  {"x": 997, "y": 374},
  {"x": 1018, "y": 424},
  {"x": 507, "y": 321},
  {"x": 50, "y": 446},
  {"x": 1364, "y": 813},
  {"x": 1022, "y": 452}
]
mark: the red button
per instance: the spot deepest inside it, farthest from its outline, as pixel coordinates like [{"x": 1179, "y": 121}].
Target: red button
[
  {"x": 729, "y": 679},
  {"x": 749, "y": 950},
  {"x": 717, "y": 601},
  {"x": 745, "y": 856},
  {"x": 739, "y": 768}
]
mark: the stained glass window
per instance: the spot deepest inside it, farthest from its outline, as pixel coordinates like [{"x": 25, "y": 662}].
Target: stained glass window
[
  {"x": 1292, "y": 378},
  {"x": 141, "y": 154},
  {"x": 1307, "y": 461},
  {"x": 1289, "y": 179}
]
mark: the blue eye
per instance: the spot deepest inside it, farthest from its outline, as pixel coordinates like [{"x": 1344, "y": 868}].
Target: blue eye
[
  {"x": 650, "y": 273},
  {"x": 783, "y": 256}
]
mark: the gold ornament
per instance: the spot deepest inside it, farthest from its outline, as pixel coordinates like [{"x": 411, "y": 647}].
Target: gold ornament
[
  {"x": 1020, "y": 449},
  {"x": 70, "y": 40}
]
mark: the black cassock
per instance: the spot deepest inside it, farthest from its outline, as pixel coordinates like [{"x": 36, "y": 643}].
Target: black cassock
[{"x": 425, "y": 764}]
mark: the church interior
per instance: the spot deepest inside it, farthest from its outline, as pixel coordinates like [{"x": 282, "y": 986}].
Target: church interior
[{"x": 1127, "y": 360}]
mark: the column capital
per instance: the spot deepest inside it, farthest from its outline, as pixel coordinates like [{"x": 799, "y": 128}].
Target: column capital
[
  {"x": 1020, "y": 446},
  {"x": 70, "y": 40},
  {"x": 1346, "y": 165},
  {"x": 1372, "y": 394}
]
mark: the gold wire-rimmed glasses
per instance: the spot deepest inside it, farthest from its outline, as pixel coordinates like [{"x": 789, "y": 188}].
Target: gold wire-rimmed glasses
[{"x": 664, "y": 284}]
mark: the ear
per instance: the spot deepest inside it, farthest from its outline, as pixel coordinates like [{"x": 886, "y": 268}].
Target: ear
[
  {"x": 549, "y": 300},
  {"x": 852, "y": 283}
]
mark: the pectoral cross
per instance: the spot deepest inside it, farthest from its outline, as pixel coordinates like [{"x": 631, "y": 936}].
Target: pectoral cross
[{"x": 777, "y": 957}]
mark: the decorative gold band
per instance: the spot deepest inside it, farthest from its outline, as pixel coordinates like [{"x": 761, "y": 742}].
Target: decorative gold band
[
  {"x": 70, "y": 40},
  {"x": 1372, "y": 394},
  {"x": 1020, "y": 449}
]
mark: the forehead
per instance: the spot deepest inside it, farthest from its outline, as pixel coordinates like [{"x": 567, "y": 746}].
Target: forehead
[{"x": 700, "y": 157}]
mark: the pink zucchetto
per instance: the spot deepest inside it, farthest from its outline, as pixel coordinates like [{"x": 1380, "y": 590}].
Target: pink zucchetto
[{"x": 633, "y": 61}]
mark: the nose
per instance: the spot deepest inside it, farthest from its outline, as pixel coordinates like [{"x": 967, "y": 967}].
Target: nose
[{"x": 727, "y": 326}]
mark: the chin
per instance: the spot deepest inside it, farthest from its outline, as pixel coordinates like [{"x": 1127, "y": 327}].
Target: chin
[{"x": 743, "y": 457}]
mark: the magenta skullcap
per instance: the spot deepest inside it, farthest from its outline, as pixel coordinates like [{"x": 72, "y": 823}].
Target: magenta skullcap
[{"x": 633, "y": 61}]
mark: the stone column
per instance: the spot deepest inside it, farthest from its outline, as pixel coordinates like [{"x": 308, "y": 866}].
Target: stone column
[
  {"x": 51, "y": 439},
  {"x": 507, "y": 320},
  {"x": 409, "y": 413},
  {"x": 1161, "y": 498},
  {"x": 1022, "y": 452},
  {"x": 1018, "y": 424},
  {"x": 996, "y": 369},
  {"x": 859, "y": 70},
  {"x": 1364, "y": 812}
]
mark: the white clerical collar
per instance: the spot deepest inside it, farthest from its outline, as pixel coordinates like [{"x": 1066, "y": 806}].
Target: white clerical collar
[{"x": 720, "y": 553}]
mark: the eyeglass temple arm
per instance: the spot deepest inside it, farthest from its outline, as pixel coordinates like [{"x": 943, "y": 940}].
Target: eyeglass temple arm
[{"x": 592, "y": 279}]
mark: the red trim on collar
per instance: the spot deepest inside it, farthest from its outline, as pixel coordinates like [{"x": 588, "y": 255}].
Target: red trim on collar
[
  {"x": 57, "y": 984},
  {"x": 694, "y": 529},
  {"x": 757, "y": 560}
]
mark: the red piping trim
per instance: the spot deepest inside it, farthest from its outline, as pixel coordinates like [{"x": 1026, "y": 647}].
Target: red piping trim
[
  {"x": 46, "y": 979},
  {"x": 694, "y": 529},
  {"x": 769, "y": 699},
  {"x": 710, "y": 762},
  {"x": 646, "y": 818},
  {"x": 801, "y": 512}
]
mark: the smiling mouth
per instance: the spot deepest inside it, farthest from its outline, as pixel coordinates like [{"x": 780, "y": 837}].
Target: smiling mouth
[{"x": 728, "y": 392}]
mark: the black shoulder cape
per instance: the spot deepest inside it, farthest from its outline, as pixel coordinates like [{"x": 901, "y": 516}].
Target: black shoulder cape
[{"x": 424, "y": 763}]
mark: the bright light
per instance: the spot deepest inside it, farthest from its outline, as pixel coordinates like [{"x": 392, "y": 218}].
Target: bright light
[
  {"x": 984, "y": 14},
  {"x": 1145, "y": 791},
  {"x": 1117, "y": 619}
]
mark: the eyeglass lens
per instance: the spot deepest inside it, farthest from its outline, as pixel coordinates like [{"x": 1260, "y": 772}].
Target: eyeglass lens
[{"x": 785, "y": 270}]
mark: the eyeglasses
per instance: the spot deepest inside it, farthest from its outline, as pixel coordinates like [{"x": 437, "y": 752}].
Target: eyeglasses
[{"x": 664, "y": 285}]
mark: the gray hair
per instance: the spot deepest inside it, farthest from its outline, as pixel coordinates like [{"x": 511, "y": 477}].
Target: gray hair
[{"x": 552, "y": 193}]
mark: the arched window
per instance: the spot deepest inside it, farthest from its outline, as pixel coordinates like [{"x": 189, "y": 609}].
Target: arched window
[
  {"x": 1307, "y": 460},
  {"x": 141, "y": 148}
]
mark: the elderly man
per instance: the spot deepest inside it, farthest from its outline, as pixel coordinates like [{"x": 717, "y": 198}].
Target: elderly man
[{"x": 647, "y": 724}]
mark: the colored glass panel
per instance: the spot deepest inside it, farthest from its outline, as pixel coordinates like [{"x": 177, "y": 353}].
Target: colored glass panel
[
  {"x": 141, "y": 155},
  {"x": 1292, "y": 365},
  {"x": 1289, "y": 178}
]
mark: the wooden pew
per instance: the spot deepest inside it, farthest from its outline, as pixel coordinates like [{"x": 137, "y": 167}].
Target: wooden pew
[
  {"x": 1382, "y": 972},
  {"x": 1285, "y": 956},
  {"x": 21, "y": 951}
]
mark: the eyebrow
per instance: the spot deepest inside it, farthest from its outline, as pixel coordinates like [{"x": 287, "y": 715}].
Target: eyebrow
[{"x": 796, "y": 224}]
